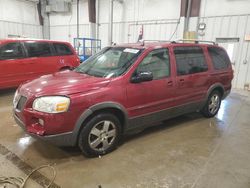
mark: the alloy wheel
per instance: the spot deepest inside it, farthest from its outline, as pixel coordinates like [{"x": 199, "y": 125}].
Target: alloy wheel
[
  {"x": 214, "y": 103},
  {"x": 102, "y": 135}
]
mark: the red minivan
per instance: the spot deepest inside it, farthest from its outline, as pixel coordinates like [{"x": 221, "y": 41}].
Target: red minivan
[
  {"x": 25, "y": 59},
  {"x": 121, "y": 89}
]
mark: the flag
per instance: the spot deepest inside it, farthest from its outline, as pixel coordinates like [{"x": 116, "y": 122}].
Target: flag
[{"x": 140, "y": 34}]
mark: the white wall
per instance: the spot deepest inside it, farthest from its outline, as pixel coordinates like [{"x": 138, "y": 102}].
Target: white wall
[
  {"x": 224, "y": 7},
  {"x": 63, "y": 25},
  {"x": 138, "y": 10},
  {"x": 160, "y": 19},
  {"x": 19, "y": 18}
]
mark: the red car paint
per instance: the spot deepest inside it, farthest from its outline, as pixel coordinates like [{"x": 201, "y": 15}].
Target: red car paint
[
  {"x": 137, "y": 100},
  {"x": 25, "y": 67}
]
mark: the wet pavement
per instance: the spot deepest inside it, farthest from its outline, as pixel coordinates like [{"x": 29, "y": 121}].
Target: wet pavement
[{"x": 186, "y": 152}]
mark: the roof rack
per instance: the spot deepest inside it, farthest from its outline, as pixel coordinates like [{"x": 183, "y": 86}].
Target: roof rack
[
  {"x": 195, "y": 41},
  {"x": 143, "y": 41}
]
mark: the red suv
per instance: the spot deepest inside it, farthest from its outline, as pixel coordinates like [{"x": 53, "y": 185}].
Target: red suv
[
  {"x": 121, "y": 89},
  {"x": 24, "y": 59}
]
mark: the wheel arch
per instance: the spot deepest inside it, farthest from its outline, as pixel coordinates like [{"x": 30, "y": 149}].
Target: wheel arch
[
  {"x": 111, "y": 107},
  {"x": 219, "y": 87},
  {"x": 67, "y": 67},
  {"x": 215, "y": 87}
]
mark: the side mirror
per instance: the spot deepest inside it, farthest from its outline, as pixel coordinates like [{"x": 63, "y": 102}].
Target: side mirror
[{"x": 142, "y": 77}]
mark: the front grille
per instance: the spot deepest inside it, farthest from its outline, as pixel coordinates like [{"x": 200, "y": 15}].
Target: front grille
[{"x": 21, "y": 103}]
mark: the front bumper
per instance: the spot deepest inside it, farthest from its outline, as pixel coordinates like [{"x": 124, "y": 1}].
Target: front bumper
[{"x": 63, "y": 139}]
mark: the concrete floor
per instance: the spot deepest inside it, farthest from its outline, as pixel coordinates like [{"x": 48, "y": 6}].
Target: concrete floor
[{"x": 186, "y": 152}]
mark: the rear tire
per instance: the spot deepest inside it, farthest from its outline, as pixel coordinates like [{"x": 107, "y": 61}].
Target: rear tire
[
  {"x": 100, "y": 135},
  {"x": 212, "y": 105}
]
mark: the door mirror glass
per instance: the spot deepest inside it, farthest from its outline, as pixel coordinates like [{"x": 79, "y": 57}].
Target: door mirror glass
[{"x": 142, "y": 77}]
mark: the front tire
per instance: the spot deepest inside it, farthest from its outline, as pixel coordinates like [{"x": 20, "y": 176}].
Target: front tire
[
  {"x": 212, "y": 105},
  {"x": 100, "y": 135}
]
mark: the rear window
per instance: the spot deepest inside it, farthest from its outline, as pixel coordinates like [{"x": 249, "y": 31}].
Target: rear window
[
  {"x": 11, "y": 51},
  {"x": 62, "y": 49},
  {"x": 190, "y": 60},
  {"x": 219, "y": 58},
  {"x": 38, "y": 49}
]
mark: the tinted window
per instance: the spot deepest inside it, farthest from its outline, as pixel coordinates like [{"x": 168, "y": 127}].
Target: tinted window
[
  {"x": 11, "y": 51},
  {"x": 62, "y": 49},
  {"x": 219, "y": 57},
  {"x": 38, "y": 49},
  {"x": 156, "y": 62},
  {"x": 190, "y": 60}
]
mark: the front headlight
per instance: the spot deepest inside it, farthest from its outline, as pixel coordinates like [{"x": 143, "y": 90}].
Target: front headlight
[
  {"x": 51, "y": 104},
  {"x": 16, "y": 98}
]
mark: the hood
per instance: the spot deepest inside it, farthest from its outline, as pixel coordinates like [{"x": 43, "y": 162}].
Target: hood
[{"x": 63, "y": 83}]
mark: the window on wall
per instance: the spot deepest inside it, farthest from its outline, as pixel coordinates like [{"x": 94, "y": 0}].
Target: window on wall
[
  {"x": 156, "y": 62},
  {"x": 219, "y": 57},
  {"x": 62, "y": 49},
  {"x": 38, "y": 49},
  {"x": 190, "y": 60},
  {"x": 11, "y": 51}
]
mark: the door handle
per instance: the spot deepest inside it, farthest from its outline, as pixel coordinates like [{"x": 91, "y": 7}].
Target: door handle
[
  {"x": 181, "y": 82},
  {"x": 170, "y": 83}
]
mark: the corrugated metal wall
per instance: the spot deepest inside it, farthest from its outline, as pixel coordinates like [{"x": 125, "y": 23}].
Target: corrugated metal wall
[
  {"x": 129, "y": 31},
  {"x": 68, "y": 32},
  {"x": 236, "y": 26},
  {"x": 122, "y": 31},
  {"x": 19, "y": 18},
  {"x": 9, "y": 28}
]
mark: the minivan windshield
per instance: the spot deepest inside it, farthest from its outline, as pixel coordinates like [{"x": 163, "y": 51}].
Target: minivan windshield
[{"x": 110, "y": 62}]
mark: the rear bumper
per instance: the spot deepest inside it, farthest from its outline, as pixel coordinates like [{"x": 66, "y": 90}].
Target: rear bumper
[{"x": 64, "y": 139}]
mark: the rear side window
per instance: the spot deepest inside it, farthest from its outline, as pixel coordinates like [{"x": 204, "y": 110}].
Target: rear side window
[
  {"x": 190, "y": 60},
  {"x": 219, "y": 58},
  {"x": 11, "y": 51},
  {"x": 62, "y": 49},
  {"x": 38, "y": 49}
]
